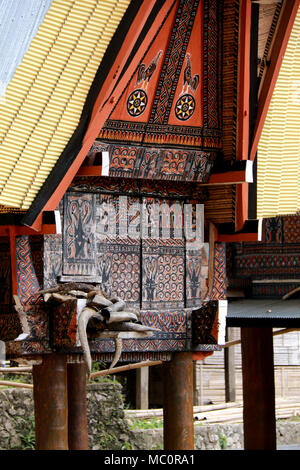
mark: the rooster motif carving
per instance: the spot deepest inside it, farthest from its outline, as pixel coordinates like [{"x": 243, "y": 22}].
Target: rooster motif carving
[
  {"x": 189, "y": 81},
  {"x": 144, "y": 74}
]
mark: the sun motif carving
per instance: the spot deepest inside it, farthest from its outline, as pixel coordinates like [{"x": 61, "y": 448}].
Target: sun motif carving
[
  {"x": 185, "y": 106},
  {"x": 137, "y": 102}
]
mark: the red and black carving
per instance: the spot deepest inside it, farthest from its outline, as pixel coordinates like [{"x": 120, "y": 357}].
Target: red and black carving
[
  {"x": 79, "y": 238},
  {"x": 189, "y": 80},
  {"x": 27, "y": 282},
  {"x": 185, "y": 107},
  {"x": 219, "y": 285},
  {"x": 276, "y": 257},
  {"x": 137, "y": 102},
  {"x": 173, "y": 61},
  {"x": 130, "y": 161},
  {"x": 203, "y": 320},
  {"x": 144, "y": 73},
  {"x": 159, "y": 126}
]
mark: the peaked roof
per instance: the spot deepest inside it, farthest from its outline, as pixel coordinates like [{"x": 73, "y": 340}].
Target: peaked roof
[
  {"x": 278, "y": 164},
  {"x": 44, "y": 99},
  {"x": 73, "y": 73}
]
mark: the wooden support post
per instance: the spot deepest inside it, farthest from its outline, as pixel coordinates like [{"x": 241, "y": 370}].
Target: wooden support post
[
  {"x": 258, "y": 389},
  {"x": 229, "y": 362},
  {"x": 142, "y": 388},
  {"x": 50, "y": 403},
  {"x": 77, "y": 407},
  {"x": 178, "y": 402}
]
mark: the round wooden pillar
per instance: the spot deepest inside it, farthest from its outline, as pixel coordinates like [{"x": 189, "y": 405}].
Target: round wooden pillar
[
  {"x": 77, "y": 407},
  {"x": 258, "y": 389},
  {"x": 50, "y": 403},
  {"x": 178, "y": 402}
]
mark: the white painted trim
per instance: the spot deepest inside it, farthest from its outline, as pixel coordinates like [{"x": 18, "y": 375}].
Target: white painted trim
[
  {"x": 105, "y": 164},
  {"x": 260, "y": 222},
  {"x": 249, "y": 171},
  {"x": 222, "y": 313},
  {"x": 58, "y": 222}
]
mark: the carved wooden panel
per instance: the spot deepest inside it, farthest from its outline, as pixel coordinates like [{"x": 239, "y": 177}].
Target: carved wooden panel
[
  {"x": 79, "y": 253},
  {"x": 162, "y": 254},
  {"x": 147, "y": 250},
  {"x": 118, "y": 254}
]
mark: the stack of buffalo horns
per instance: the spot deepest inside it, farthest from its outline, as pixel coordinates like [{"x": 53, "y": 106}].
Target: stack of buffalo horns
[{"x": 101, "y": 317}]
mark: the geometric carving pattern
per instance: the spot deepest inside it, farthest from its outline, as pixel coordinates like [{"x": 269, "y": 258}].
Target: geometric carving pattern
[
  {"x": 28, "y": 285},
  {"x": 133, "y": 161},
  {"x": 219, "y": 285},
  {"x": 185, "y": 107},
  {"x": 277, "y": 257},
  {"x": 203, "y": 320}
]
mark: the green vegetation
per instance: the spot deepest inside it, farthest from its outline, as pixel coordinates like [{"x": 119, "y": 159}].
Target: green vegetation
[
  {"x": 26, "y": 432},
  {"x": 223, "y": 441},
  {"x": 152, "y": 423}
]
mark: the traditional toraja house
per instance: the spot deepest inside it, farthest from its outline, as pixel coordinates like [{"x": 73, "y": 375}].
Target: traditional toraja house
[
  {"x": 263, "y": 284},
  {"x": 126, "y": 133}
]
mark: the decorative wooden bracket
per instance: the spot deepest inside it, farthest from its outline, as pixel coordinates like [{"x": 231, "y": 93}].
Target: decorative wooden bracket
[
  {"x": 208, "y": 324},
  {"x": 100, "y": 166},
  {"x": 242, "y": 174}
]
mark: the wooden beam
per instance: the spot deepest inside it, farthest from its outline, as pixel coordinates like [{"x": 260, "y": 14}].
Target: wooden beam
[
  {"x": 258, "y": 389},
  {"x": 238, "y": 237},
  {"x": 142, "y": 388},
  {"x": 93, "y": 170},
  {"x": 229, "y": 366},
  {"x": 116, "y": 370},
  {"x": 13, "y": 260},
  {"x": 279, "y": 44},
  {"x": 251, "y": 230},
  {"x": 22, "y": 230},
  {"x": 244, "y": 175},
  {"x": 244, "y": 80}
]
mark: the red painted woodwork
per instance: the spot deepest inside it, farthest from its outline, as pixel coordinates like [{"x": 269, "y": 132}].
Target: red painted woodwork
[{"x": 106, "y": 101}]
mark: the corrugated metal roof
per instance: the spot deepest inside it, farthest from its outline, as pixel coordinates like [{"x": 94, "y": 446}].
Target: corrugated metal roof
[
  {"x": 263, "y": 311},
  {"x": 278, "y": 164},
  {"x": 19, "y": 23},
  {"x": 44, "y": 99}
]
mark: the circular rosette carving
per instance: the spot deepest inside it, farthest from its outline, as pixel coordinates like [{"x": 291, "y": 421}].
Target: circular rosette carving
[
  {"x": 137, "y": 102},
  {"x": 185, "y": 107}
]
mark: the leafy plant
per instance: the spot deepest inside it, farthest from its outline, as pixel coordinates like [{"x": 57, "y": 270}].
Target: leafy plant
[
  {"x": 28, "y": 439},
  {"x": 223, "y": 441},
  {"x": 152, "y": 423}
]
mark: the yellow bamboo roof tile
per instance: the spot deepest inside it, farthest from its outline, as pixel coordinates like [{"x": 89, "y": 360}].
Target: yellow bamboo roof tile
[
  {"x": 44, "y": 100},
  {"x": 278, "y": 160}
]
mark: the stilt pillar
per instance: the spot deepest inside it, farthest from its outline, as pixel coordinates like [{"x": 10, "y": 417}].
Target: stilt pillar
[
  {"x": 77, "y": 407},
  {"x": 178, "y": 402},
  {"x": 258, "y": 389},
  {"x": 50, "y": 403},
  {"x": 229, "y": 362},
  {"x": 142, "y": 388}
]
